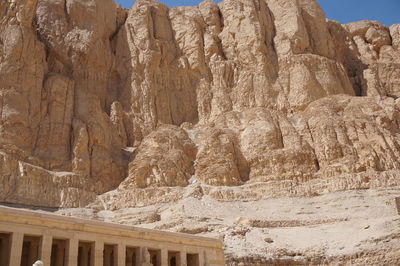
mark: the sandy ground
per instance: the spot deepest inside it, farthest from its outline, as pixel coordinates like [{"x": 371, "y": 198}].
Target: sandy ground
[{"x": 333, "y": 225}]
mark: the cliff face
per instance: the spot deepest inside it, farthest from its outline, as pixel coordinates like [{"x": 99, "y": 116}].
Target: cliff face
[
  {"x": 208, "y": 107},
  {"x": 243, "y": 92},
  {"x": 59, "y": 145}
]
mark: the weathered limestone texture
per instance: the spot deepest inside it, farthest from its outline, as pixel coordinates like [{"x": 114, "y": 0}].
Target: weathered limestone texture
[
  {"x": 55, "y": 74},
  {"x": 236, "y": 101},
  {"x": 229, "y": 94},
  {"x": 164, "y": 158}
]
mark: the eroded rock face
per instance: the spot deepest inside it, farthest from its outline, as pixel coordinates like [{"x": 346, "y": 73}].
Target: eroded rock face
[
  {"x": 353, "y": 135},
  {"x": 264, "y": 146},
  {"x": 238, "y": 93},
  {"x": 218, "y": 158},
  {"x": 241, "y": 103},
  {"x": 54, "y": 135},
  {"x": 379, "y": 54},
  {"x": 164, "y": 158},
  {"x": 22, "y": 69},
  {"x": 56, "y": 60}
]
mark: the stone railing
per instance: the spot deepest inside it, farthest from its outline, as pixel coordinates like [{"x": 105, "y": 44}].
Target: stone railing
[{"x": 27, "y": 236}]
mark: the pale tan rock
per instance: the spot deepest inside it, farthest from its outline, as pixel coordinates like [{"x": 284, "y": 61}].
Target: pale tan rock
[
  {"x": 369, "y": 37},
  {"x": 147, "y": 57},
  {"x": 79, "y": 45},
  {"x": 210, "y": 13},
  {"x": 378, "y": 37},
  {"x": 359, "y": 27},
  {"x": 187, "y": 24},
  {"x": 373, "y": 32},
  {"x": 235, "y": 102},
  {"x": 379, "y": 55},
  {"x": 353, "y": 135},
  {"x": 164, "y": 158},
  {"x": 390, "y": 53},
  {"x": 247, "y": 37},
  {"x": 43, "y": 94},
  {"x": 37, "y": 186},
  {"x": 388, "y": 78},
  {"x": 244, "y": 221},
  {"x": 80, "y": 149},
  {"x": 321, "y": 42},
  {"x": 244, "y": 100},
  {"x": 217, "y": 158},
  {"x": 395, "y": 34},
  {"x": 53, "y": 140},
  {"x": 117, "y": 118},
  {"x": 291, "y": 32},
  {"x": 267, "y": 147},
  {"x": 306, "y": 78},
  {"x": 22, "y": 69}
]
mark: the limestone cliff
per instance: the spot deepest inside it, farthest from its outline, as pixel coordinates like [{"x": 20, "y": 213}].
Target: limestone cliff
[
  {"x": 252, "y": 91},
  {"x": 244, "y": 100}
]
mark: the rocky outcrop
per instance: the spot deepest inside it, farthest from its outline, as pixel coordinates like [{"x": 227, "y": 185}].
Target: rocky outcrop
[
  {"x": 262, "y": 92},
  {"x": 221, "y": 107},
  {"x": 218, "y": 159},
  {"x": 56, "y": 62},
  {"x": 353, "y": 135},
  {"x": 379, "y": 57},
  {"x": 164, "y": 158},
  {"x": 263, "y": 146}
]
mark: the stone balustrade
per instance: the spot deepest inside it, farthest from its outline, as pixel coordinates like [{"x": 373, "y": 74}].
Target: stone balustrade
[{"x": 27, "y": 236}]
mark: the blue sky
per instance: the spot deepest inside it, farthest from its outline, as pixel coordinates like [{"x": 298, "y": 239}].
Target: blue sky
[{"x": 344, "y": 11}]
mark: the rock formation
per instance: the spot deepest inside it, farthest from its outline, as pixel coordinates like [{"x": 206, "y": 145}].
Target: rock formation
[
  {"x": 164, "y": 158},
  {"x": 240, "y": 100}
]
